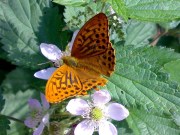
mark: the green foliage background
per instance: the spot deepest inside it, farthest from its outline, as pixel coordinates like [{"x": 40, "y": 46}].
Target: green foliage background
[{"x": 145, "y": 35}]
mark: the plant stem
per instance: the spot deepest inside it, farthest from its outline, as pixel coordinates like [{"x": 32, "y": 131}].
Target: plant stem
[
  {"x": 157, "y": 37},
  {"x": 12, "y": 118}
]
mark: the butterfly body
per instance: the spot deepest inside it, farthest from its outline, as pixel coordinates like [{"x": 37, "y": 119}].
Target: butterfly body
[
  {"x": 70, "y": 61},
  {"x": 91, "y": 57},
  {"x": 84, "y": 64}
]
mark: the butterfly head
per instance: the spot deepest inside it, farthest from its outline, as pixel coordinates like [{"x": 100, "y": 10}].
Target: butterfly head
[{"x": 70, "y": 61}]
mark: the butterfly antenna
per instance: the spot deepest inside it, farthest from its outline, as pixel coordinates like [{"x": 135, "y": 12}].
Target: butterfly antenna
[{"x": 44, "y": 63}]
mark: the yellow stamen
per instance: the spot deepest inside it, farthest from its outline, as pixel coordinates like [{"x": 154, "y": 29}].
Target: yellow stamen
[{"x": 96, "y": 114}]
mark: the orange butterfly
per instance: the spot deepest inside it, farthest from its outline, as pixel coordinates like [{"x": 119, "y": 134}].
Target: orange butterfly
[{"x": 92, "y": 55}]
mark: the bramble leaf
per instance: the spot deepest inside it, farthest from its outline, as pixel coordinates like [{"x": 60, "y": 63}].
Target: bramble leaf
[
  {"x": 173, "y": 68},
  {"x": 75, "y": 17},
  {"x": 138, "y": 33},
  {"x": 148, "y": 10},
  {"x": 4, "y": 125},
  {"x": 71, "y": 2},
  {"x": 4, "y": 122},
  {"x": 148, "y": 123},
  {"x": 138, "y": 79},
  {"x": 24, "y": 24},
  {"x": 2, "y": 101}
]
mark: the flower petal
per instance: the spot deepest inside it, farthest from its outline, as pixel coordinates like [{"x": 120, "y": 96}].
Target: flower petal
[
  {"x": 107, "y": 128},
  {"x": 39, "y": 130},
  {"x": 31, "y": 123},
  {"x": 51, "y": 51},
  {"x": 45, "y": 119},
  {"x": 45, "y": 73},
  {"x": 34, "y": 104},
  {"x": 101, "y": 97},
  {"x": 44, "y": 102},
  {"x": 84, "y": 128},
  {"x": 77, "y": 106},
  {"x": 72, "y": 40},
  {"x": 117, "y": 111}
]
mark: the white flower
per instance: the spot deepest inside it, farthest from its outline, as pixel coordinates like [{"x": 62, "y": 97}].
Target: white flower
[
  {"x": 115, "y": 17},
  {"x": 97, "y": 113},
  {"x": 54, "y": 54}
]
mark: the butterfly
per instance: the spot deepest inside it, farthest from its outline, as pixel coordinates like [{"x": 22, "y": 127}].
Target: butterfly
[{"x": 91, "y": 57}]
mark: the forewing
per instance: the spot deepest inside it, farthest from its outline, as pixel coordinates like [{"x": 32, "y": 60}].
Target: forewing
[
  {"x": 93, "y": 38},
  {"x": 106, "y": 61},
  {"x": 63, "y": 84},
  {"x": 103, "y": 63}
]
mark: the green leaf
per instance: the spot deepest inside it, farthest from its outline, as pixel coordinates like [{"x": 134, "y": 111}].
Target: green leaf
[
  {"x": 24, "y": 24},
  {"x": 138, "y": 33},
  {"x": 76, "y": 17},
  {"x": 18, "y": 79},
  {"x": 138, "y": 79},
  {"x": 2, "y": 101},
  {"x": 22, "y": 79},
  {"x": 148, "y": 123},
  {"x": 173, "y": 68},
  {"x": 73, "y": 17},
  {"x": 72, "y": 2},
  {"x": 169, "y": 25},
  {"x": 148, "y": 10},
  {"x": 17, "y": 106},
  {"x": 160, "y": 54},
  {"x": 4, "y": 122},
  {"x": 4, "y": 125},
  {"x": 123, "y": 128},
  {"x": 120, "y": 7},
  {"x": 176, "y": 118},
  {"x": 3, "y": 54}
]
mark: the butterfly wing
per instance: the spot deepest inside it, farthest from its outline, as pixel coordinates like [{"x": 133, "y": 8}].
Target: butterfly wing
[
  {"x": 67, "y": 82},
  {"x": 92, "y": 83},
  {"x": 103, "y": 63},
  {"x": 89, "y": 79},
  {"x": 93, "y": 38},
  {"x": 92, "y": 48},
  {"x": 64, "y": 83},
  {"x": 92, "y": 45}
]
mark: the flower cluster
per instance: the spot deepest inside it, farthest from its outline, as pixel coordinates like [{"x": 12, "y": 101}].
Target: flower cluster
[
  {"x": 38, "y": 115},
  {"x": 97, "y": 113}
]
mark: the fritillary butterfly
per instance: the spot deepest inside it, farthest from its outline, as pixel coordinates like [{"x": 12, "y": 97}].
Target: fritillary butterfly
[{"x": 92, "y": 55}]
